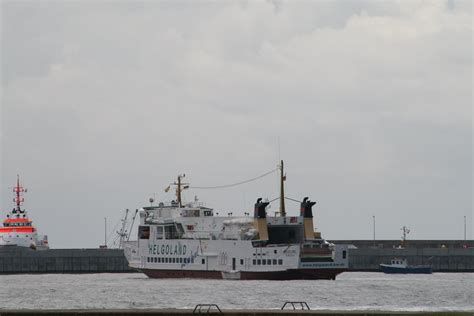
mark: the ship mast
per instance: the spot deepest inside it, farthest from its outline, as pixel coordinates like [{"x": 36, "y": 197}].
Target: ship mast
[
  {"x": 282, "y": 190},
  {"x": 18, "y": 199},
  {"x": 123, "y": 232},
  {"x": 405, "y": 231},
  {"x": 180, "y": 186}
]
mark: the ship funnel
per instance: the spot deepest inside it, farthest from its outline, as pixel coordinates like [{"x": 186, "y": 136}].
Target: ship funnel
[
  {"x": 259, "y": 211},
  {"x": 307, "y": 208},
  {"x": 260, "y": 219},
  {"x": 307, "y": 213}
]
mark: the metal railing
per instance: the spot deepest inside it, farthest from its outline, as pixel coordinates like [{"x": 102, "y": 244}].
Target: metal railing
[
  {"x": 207, "y": 308},
  {"x": 303, "y": 305}
]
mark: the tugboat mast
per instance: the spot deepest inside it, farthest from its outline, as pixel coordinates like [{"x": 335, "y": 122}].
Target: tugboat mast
[
  {"x": 282, "y": 190},
  {"x": 18, "y": 199}
]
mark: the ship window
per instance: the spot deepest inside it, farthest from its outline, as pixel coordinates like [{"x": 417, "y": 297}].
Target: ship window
[
  {"x": 264, "y": 262},
  {"x": 344, "y": 254},
  {"x": 159, "y": 232},
  {"x": 192, "y": 260},
  {"x": 269, "y": 261},
  {"x": 171, "y": 232},
  {"x": 280, "y": 261},
  {"x": 254, "y": 262},
  {"x": 274, "y": 262},
  {"x": 259, "y": 262},
  {"x": 207, "y": 213},
  {"x": 241, "y": 262},
  {"x": 191, "y": 213},
  {"x": 147, "y": 259},
  {"x": 174, "y": 260},
  {"x": 144, "y": 232},
  {"x": 203, "y": 261},
  {"x": 180, "y": 229}
]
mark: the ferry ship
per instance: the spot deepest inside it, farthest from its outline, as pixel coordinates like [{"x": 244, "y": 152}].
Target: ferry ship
[
  {"x": 191, "y": 241},
  {"x": 17, "y": 229}
]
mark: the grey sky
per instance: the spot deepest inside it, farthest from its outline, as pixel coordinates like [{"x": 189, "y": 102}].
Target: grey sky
[{"x": 104, "y": 103}]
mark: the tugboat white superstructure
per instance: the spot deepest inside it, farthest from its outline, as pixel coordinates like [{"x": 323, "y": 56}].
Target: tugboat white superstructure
[
  {"x": 17, "y": 229},
  {"x": 188, "y": 241}
]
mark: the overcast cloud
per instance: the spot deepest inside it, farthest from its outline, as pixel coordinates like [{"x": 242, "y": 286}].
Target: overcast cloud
[{"x": 104, "y": 103}]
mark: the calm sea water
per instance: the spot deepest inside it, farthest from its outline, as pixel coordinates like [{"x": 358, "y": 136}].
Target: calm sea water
[{"x": 351, "y": 291}]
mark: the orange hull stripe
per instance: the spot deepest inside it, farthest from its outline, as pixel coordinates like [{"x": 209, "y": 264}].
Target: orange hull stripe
[
  {"x": 16, "y": 220},
  {"x": 17, "y": 229}
]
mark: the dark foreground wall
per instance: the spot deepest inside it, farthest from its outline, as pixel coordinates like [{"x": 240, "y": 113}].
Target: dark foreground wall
[
  {"x": 243, "y": 312},
  {"x": 25, "y": 260}
]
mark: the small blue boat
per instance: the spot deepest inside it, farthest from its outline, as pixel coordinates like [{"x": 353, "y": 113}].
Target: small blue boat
[{"x": 400, "y": 265}]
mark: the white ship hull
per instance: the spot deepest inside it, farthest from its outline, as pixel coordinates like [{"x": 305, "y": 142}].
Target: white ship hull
[
  {"x": 179, "y": 241},
  {"x": 18, "y": 239},
  {"x": 236, "y": 259}
]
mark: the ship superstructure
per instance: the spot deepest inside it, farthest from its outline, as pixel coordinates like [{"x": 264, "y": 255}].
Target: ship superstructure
[
  {"x": 189, "y": 240},
  {"x": 17, "y": 229}
]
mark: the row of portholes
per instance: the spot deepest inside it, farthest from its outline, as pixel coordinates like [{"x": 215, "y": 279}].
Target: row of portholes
[
  {"x": 267, "y": 262},
  {"x": 172, "y": 260},
  {"x": 18, "y": 236}
]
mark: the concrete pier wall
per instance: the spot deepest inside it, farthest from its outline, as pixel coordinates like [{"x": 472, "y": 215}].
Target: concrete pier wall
[
  {"x": 24, "y": 260},
  {"x": 444, "y": 256},
  {"x": 441, "y": 259},
  {"x": 395, "y": 243}
]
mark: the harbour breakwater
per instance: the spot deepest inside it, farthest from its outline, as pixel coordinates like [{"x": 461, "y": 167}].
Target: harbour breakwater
[
  {"x": 443, "y": 255},
  {"x": 25, "y": 260}
]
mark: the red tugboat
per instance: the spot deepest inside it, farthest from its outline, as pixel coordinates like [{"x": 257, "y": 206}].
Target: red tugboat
[{"x": 18, "y": 229}]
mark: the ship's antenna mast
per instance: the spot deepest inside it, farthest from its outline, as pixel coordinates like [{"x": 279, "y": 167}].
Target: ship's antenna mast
[
  {"x": 123, "y": 232},
  {"x": 405, "y": 231},
  {"x": 131, "y": 225},
  {"x": 18, "y": 199},
  {"x": 180, "y": 186},
  {"x": 282, "y": 190}
]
